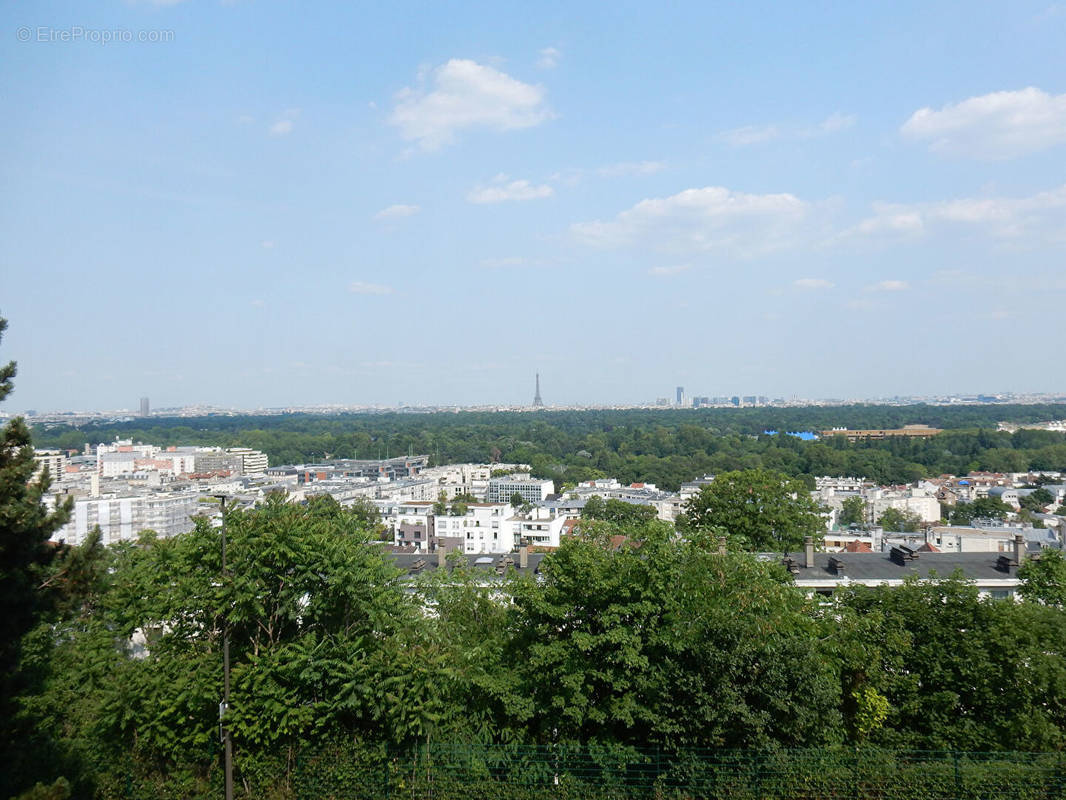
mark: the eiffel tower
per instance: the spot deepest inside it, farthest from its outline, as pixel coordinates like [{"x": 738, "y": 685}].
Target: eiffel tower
[{"x": 537, "y": 402}]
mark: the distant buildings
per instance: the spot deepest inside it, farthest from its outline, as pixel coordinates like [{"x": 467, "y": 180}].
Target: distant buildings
[
  {"x": 145, "y": 409},
  {"x": 907, "y": 431}
]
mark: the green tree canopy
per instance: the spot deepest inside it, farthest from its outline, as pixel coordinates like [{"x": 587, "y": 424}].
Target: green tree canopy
[
  {"x": 981, "y": 508},
  {"x": 895, "y": 519},
  {"x": 941, "y": 655},
  {"x": 25, "y": 527},
  {"x": 761, "y": 509},
  {"x": 1044, "y": 578},
  {"x": 668, "y": 644},
  {"x": 852, "y": 511}
]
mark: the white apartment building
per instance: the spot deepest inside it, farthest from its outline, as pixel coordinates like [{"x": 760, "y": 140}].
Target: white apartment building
[
  {"x": 255, "y": 462},
  {"x": 411, "y": 523},
  {"x": 486, "y": 528},
  {"x": 54, "y": 460},
  {"x": 532, "y": 490},
  {"x": 539, "y": 528},
  {"x": 911, "y": 501},
  {"x": 123, "y": 518},
  {"x": 457, "y": 479}
]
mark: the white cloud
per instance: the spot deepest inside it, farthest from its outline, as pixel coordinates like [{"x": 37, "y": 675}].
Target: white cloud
[
  {"x": 267, "y": 244},
  {"x": 837, "y": 122},
  {"x": 549, "y": 58},
  {"x": 701, "y": 220},
  {"x": 664, "y": 272},
  {"x": 992, "y": 126},
  {"x": 397, "y": 211},
  {"x": 359, "y": 287},
  {"x": 501, "y": 190},
  {"x": 889, "y": 286},
  {"x": 813, "y": 283},
  {"x": 282, "y": 127},
  {"x": 466, "y": 95},
  {"x": 627, "y": 168},
  {"x": 759, "y": 134},
  {"x": 1039, "y": 216},
  {"x": 751, "y": 134}
]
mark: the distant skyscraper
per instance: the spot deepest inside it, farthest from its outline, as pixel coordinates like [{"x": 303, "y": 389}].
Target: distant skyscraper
[
  {"x": 145, "y": 410},
  {"x": 536, "y": 397},
  {"x": 680, "y": 395}
]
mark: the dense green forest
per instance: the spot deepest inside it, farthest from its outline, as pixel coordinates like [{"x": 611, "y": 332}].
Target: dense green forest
[
  {"x": 665, "y": 447},
  {"x": 662, "y": 646}
]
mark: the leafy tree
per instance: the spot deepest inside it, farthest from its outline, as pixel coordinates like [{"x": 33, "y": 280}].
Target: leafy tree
[
  {"x": 1044, "y": 579},
  {"x": 440, "y": 507},
  {"x": 1037, "y": 500},
  {"x": 517, "y": 500},
  {"x": 852, "y": 511},
  {"x": 320, "y": 628},
  {"x": 25, "y": 527},
  {"x": 940, "y": 654},
  {"x": 981, "y": 508},
  {"x": 617, "y": 511},
  {"x": 894, "y": 519},
  {"x": 594, "y": 508},
  {"x": 668, "y": 644},
  {"x": 762, "y": 509}
]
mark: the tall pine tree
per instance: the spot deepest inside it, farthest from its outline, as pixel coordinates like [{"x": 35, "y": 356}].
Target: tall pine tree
[{"x": 25, "y": 527}]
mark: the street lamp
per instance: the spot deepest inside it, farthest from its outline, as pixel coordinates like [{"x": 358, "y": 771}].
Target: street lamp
[{"x": 223, "y": 708}]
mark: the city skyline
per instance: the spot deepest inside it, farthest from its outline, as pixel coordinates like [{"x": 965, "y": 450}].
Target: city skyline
[{"x": 368, "y": 206}]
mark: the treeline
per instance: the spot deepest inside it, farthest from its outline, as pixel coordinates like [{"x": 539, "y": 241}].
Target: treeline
[
  {"x": 662, "y": 645},
  {"x": 661, "y": 447}
]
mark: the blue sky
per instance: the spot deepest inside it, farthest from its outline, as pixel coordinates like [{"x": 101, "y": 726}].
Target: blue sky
[{"x": 292, "y": 203}]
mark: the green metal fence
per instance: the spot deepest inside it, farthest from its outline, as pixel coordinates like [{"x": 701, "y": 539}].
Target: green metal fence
[{"x": 503, "y": 772}]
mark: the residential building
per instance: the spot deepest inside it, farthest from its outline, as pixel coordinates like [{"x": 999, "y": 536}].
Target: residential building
[
  {"x": 55, "y": 461},
  {"x": 123, "y": 518},
  {"x": 253, "y": 462},
  {"x": 531, "y": 490}
]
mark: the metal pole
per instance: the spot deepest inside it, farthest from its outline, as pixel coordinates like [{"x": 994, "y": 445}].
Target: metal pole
[{"x": 227, "y": 739}]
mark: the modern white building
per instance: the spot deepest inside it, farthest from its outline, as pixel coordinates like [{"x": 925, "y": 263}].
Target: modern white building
[
  {"x": 485, "y": 528},
  {"x": 123, "y": 518},
  {"x": 254, "y": 462},
  {"x": 532, "y": 490}
]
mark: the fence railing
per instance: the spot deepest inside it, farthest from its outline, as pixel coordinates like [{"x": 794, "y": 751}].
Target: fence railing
[{"x": 516, "y": 772}]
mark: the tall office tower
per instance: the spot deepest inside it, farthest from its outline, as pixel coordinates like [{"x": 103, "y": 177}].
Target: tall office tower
[
  {"x": 144, "y": 407},
  {"x": 536, "y": 397},
  {"x": 680, "y": 395}
]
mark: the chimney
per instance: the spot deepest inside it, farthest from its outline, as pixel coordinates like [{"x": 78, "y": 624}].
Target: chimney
[
  {"x": 808, "y": 551},
  {"x": 721, "y": 545},
  {"x": 523, "y": 558},
  {"x": 1019, "y": 548}
]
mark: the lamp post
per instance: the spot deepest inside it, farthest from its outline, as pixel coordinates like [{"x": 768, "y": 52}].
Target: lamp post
[{"x": 223, "y": 709}]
